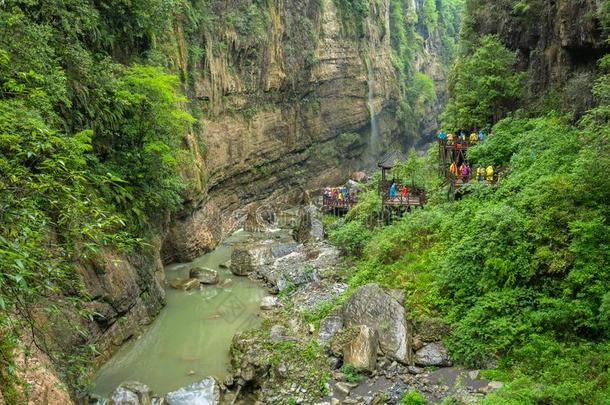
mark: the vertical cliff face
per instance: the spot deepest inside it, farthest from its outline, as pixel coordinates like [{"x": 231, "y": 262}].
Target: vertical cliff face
[
  {"x": 282, "y": 91},
  {"x": 557, "y": 42},
  {"x": 284, "y": 106}
]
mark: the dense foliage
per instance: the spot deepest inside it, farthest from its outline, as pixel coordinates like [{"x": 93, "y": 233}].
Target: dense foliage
[
  {"x": 483, "y": 87},
  {"x": 519, "y": 271},
  {"x": 88, "y": 152}
]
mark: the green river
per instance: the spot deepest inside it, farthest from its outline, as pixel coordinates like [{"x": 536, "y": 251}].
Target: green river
[{"x": 190, "y": 338}]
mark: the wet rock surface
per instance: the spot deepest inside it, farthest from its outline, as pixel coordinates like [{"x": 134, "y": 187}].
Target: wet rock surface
[
  {"x": 185, "y": 284},
  {"x": 204, "y": 275},
  {"x": 204, "y": 392},
  {"x": 247, "y": 256},
  {"x": 131, "y": 393}
]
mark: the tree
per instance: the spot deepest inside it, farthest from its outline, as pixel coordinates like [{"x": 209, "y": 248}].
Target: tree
[
  {"x": 410, "y": 170},
  {"x": 483, "y": 87}
]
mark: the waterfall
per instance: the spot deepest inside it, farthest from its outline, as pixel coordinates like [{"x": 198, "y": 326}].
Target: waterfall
[{"x": 374, "y": 141}]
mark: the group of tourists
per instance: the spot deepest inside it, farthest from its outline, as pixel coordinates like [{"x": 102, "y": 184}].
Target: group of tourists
[
  {"x": 463, "y": 172},
  {"x": 404, "y": 191},
  {"x": 461, "y": 137},
  {"x": 337, "y": 193}
]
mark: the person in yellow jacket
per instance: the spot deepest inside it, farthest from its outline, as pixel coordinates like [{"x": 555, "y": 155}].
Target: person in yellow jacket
[
  {"x": 473, "y": 138},
  {"x": 489, "y": 173},
  {"x": 450, "y": 139},
  {"x": 480, "y": 174},
  {"x": 453, "y": 169}
]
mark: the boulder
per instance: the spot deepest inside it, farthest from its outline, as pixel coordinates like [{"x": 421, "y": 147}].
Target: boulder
[
  {"x": 269, "y": 302},
  {"x": 267, "y": 215},
  {"x": 225, "y": 283},
  {"x": 131, "y": 393},
  {"x": 309, "y": 226},
  {"x": 433, "y": 354},
  {"x": 330, "y": 325},
  {"x": 373, "y": 307},
  {"x": 247, "y": 256},
  {"x": 185, "y": 285},
  {"x": 296, "y": 269},
  {"x": 361, "y": 351},
  {"x": 358, "y": 176},
  {"x": 277, "y": 333},
  {"x": 251, "y": 223},
  {"x": 283, "y": 249},
  {"x": 204, "y": 275},
  {"x": 204, "y": 392}
]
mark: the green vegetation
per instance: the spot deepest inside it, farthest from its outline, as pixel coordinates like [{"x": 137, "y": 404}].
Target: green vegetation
[
  {"x": 483, "y": 87},
  {"x": 91, "y": 128},
  {"x": 351, "y": 373},
  {"x": 353, "y": 14},
  {"x": 518, "y": 270},
  {"x": 413, "y": 398},
  {"x": 409, "y": 30}
]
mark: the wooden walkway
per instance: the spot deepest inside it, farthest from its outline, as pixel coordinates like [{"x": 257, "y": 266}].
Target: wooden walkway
[
  {"x": 460, "y": 181},
  {"x": 336, "y": 206}
]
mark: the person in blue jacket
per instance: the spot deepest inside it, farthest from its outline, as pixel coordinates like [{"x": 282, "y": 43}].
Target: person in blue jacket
[{"x": 392, "y": 191}]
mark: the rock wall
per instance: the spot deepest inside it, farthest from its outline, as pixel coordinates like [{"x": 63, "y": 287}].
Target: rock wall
[
  {"x": 555, "y": 41},
  {"x": 290, "y": 114}
]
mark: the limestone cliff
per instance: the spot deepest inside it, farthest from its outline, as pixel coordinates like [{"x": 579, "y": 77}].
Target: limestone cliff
[
  {"x": 557, "y": 42},
  {"x": 282, "y": 112}
]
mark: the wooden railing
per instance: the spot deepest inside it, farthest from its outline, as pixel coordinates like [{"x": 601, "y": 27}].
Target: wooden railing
[{"x": 415, "y": 197}]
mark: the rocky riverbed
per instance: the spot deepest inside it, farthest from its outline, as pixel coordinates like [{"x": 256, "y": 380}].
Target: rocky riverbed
[{"x": 320, "y": 341}]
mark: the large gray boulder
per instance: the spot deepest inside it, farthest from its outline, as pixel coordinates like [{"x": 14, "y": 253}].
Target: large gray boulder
[
  {"x": 330, "y": 325},
  {"x": 131, "y": 393},
  {"x": 204, "y": 275},
  {"x": 433, "y": 354},
  {"x": 299, "y": 267},
  {"x": 309, "y": 226},
  {"x": 372, "y": 306},
  {"x": 361, "y": 350},
  {"x": 204, "y": 392},
  {"x": 247, "y": 256}
]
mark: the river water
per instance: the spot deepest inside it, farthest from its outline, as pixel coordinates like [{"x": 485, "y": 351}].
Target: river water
[{"x": 190, "y": 338}]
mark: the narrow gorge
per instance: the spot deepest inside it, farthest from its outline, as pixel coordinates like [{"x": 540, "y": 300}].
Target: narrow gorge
[{"x": 255, "y": 201}]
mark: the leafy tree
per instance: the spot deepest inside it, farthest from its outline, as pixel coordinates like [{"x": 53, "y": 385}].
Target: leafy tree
[
  {"x": 483, "y": 87},
  {"x": 140, "y": 146},
  {"x": 409, "y": 171}
]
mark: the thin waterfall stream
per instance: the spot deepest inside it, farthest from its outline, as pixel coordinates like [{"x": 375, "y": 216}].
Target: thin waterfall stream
[{"x": 374, "y": 140}]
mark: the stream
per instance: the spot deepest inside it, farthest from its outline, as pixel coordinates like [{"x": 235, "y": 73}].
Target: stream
[{"x": 190, "y": 338}]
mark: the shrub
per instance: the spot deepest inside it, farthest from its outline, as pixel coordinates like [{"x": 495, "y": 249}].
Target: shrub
[
  {"x": 351, "y": 237},
  {"x": 412, "y": 398}
]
